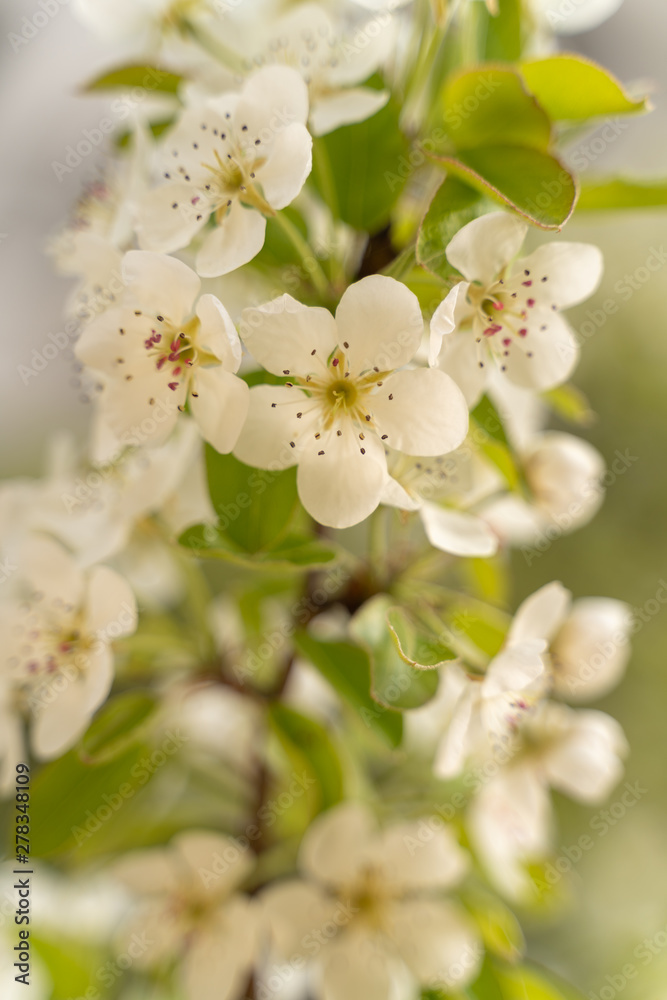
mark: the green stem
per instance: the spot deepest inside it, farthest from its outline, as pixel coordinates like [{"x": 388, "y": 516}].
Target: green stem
[
  {"x": 213, "y": 45},
  {"x": 306, "y": 252}
]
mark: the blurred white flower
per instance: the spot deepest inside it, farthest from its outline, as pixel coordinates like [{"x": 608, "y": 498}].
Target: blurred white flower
[
  {"x": 332, "y": 62},
  {"x": 345, "y": 398},
  {"x": 236, "y": 159},
  {"x": 435, "y": 488},
  {"x": 510, "y": 316},
  {"x": 190, "y": 908},
  {"x": 125, "y": 20},
  {"x": 564, "y": 476},
  {"x": 165, "y": 345},
  {"x": 589, "y": 639},
  {"x": 571, "y": 17},
  {"x": 370, "y": 908},
  {"x": 57, "y": 659}
]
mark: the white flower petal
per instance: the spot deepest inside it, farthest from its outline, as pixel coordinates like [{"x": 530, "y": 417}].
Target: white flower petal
[
  {"x": 167, "y": 219},
  {"x": 422, "y": 411},
  {"x": 554, "y": 350},
  {"x": 51, "y": 570},
  {"x": 217, "y": 334},
  {"x": 111, "y": 607},
  {"x": 214, "y": 863},
  {"x": 486, "y": 245},
  {"x": 160, "y": 285},
  {"x": 340, "y": 479},
  {"x": 585, "y": 762},
  {"x": 63, "y": 714},
  {"x": 286, "y": 337},
  {"x": 232, "y": 243},
  {"x": 219, "y": 404},
  {"x": 265, "y": 439},
  {"x": 381, "y": 321},
  {"x": 336, "y": 846},
  {"x": 573, "y": 271},
  {"x": 540, "y": 615},
  {"x": 357, "y": 964},
  {"x": 281, "y": 94},
  {"x": 415, "y": 858},
  {"x": 219, "y": 962},
  {"x": 354, "y": 104},
  {"x": 150, "y": 871},
  {"x": 451, "y": 311},
  {"x": 457, "y": 532},
  {"x": 287, "y": 167},
  {"x": 437, "y": 940},
  {"x": 293, "y": 909},
  {"x": 459, "y": 358},
  {"x": 127, "y": 406},
  {"x": 574, "y": 19},
  {"x": 591, "y": 650}
]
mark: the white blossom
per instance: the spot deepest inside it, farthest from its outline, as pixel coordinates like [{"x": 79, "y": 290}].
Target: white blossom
[
  {"x": 333, "y": 62},
  {"x": 345, "y": 400},
  {"x": 190, "y": 908},
  {"x": 57, "y": 662},
  {"x": 510, "y": 316},
  {"x": 165, "y": 345},
  {"x": 235, "y": 159},
  {"x": 381, "y": 893}
]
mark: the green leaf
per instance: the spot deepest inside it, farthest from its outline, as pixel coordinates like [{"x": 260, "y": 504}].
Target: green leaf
[
  {"x": 147, "y": 77},
  {"x": 72, "y": 966},
  {"x": 488, "y": 419},
  {"x": 254, "y": 506},
  {"x": 486, "y": 986},
  {"x": 621, "y": 192},
  {"x": 360, "y": 170},
  {"x": 315, "y": 748},
  {"x": 416, "y": 647},
  {"x": 504, "y": 36},
  {"x": 295, "y": 552},
  {"x": 530, "y": 982},
  {"x": 531, "y": 182},
  {"x": 70, "y": 801},
  {"x": 571, "y": 404},
  {"x": 483, "y": 625},
  {"x": 500, "y": 929},
  {"x": 347, "y": 668},
  {"x": 453, "y": 206},
  {"x": 396, "y": 683},
  {"x": 491, "y": 106},
  {"x": 571, "y": 88},
  {"x": 500, "y": 456},
  {"x": 122, "y": 722}
]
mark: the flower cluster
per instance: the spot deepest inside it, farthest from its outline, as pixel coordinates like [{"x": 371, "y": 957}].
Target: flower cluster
[{"x": 272, "y": 539}]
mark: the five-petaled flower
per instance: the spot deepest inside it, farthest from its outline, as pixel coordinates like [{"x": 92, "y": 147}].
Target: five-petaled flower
[
  {"x": 58, "y": 661},
  {"x": 235, "y": 159},
  {"x": 344, "y": 400},
  {"x": 510, "y": 316},
  {"x": 162, "y": 346},
  {"x": 381, "y": 893}
]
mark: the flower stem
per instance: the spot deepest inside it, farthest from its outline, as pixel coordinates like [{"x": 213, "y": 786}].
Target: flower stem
[{"x": 306, "y": 252}]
